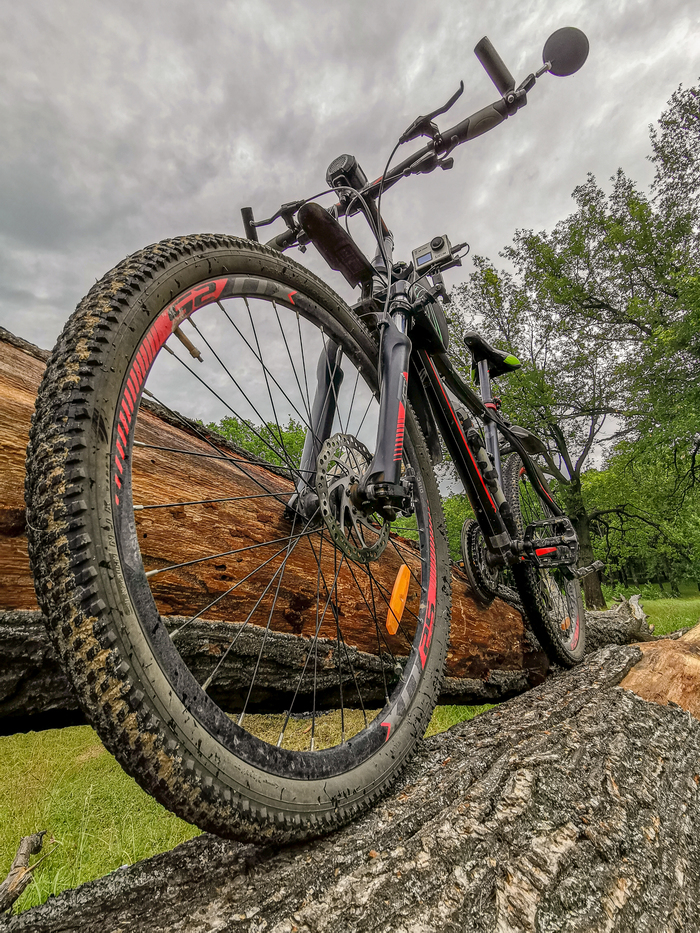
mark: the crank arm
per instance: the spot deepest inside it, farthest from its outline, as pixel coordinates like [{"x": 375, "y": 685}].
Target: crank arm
[{"x": 582, "y": 572}]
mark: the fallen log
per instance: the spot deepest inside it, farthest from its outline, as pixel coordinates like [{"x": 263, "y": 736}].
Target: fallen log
[
  {"x": 490, "y": 654},
  {"x": 572, "y": 807},
  {"x": 35, "y": 693}
]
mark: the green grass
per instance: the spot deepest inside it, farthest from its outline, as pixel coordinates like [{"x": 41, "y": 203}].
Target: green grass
[
  {"x": 668, "y": 615},
  {"x": 665, "y": 614},
  {"x": 65, "y": 781}
]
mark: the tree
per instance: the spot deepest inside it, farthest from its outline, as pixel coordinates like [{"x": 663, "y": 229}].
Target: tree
[
  {"x": 642, "y": 529},
  {"x": 605, "y": 312}
]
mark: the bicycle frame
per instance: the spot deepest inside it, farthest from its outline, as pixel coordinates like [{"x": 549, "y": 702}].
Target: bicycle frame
[{"x": 424, "y": 380}]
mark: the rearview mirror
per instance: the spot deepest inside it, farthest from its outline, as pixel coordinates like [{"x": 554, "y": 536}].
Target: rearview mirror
[{"x": 566, "y": 50}]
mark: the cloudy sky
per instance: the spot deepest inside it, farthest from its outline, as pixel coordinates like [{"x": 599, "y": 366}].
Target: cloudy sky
[{"x": 127, "y": 122}]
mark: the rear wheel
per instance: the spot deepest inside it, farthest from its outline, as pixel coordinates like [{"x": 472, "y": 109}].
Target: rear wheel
[
  {"x": 552, "y": 602},
  {"x": 229, "y": 645}
]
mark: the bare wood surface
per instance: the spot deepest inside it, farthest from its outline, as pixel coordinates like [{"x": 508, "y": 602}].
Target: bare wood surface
[
  {"x": 485, "y": 643},
  {"x": 669, "y": 672},
  {"x": 573, "y": 807},
  {"x": 20, "y": 874}
]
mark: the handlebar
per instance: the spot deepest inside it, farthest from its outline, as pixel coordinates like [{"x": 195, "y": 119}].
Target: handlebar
[
  {"x": 435, "y": 153},
  {"x": 495, "y": 66}
]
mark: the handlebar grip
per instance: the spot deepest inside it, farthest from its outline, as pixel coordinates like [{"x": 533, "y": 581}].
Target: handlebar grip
[{"x": 495, "y": 66}]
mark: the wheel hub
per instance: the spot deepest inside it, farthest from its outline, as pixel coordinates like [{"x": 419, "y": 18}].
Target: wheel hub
[{"x": 341, "y": 464}]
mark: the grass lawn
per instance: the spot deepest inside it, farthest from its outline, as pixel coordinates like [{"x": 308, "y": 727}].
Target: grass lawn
[
  {"x": 65, "y": 781},
  {"x": 668, "y": 615}
]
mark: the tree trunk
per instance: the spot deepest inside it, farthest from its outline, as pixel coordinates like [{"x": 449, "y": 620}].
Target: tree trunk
[
  {"x": 573, "y": 807},
  {"x": 35, "y": 692}
]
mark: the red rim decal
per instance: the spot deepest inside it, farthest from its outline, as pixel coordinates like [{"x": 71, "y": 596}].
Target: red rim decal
[{"x": 427, "y": 633}]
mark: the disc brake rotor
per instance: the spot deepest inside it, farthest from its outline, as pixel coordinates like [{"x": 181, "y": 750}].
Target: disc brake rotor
[{"x": 341, "y": 464}]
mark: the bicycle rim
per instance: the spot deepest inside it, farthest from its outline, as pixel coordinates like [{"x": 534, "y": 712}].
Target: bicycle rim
[
  {"x": 264, "y": 386},
  {"x": 552, "y": 601}
]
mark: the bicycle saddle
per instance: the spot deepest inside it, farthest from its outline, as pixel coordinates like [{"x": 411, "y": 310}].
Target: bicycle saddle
[{"x": 499, "y": 361}]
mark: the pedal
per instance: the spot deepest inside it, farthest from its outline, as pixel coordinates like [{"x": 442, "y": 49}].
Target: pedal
[{"x": 560, "y": 548}]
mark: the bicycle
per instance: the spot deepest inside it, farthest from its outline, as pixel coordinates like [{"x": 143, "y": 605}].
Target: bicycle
[{"x": 344, "y": 408}]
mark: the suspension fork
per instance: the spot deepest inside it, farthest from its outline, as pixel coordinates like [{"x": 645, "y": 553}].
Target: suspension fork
[{"x": 329, "y": 378}]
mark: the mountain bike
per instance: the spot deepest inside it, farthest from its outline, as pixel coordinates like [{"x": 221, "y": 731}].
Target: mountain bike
[{"x": 306, "y": 539}]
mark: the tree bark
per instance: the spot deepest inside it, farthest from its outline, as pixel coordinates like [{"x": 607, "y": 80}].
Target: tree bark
[
  {"x": 573, "y": 808},
  {"x": 35, "y": 692},
  {"x": 20, "y": 874}
]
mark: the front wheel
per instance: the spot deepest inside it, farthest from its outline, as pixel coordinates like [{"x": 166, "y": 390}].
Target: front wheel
[
  {"x": 552, "y": 601},
  {"x": 232, "y": 653}
]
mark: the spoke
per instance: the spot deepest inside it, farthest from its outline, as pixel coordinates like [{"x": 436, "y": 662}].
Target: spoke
[
  {"x": 347, "y": 657},
  {"x": 395, "y": 547},
  {"x": 229, "y": 590},
  {"x": 340, "y": 657},
  {"x": 331, "y": 387},
  {"x": 239, "y": 550},
  {"x": 352, "y": 402},
  {"x": 172, "y": 505},
  {"x": 235, "y": 414},
  {"x": 196, "y": 453},
  {"x": 281, "y": 570},
  {"x": 372, "y": 399},
  {"x": 354, "y": 677},
  {"x": 192, "y": 427},
  {"x": 291, "y": 363},
  {"x": 314, "y": 643},
  {"x": 234, "y": 381},
  {"x": 267, "y": 382},
  {"x": 307, "y": 424},
  {"x": 303, "y": 363},
  {"x": 373, "y": 612}
]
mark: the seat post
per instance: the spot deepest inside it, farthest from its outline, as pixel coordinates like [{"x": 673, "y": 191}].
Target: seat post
[{"x": 490, "y": 430}]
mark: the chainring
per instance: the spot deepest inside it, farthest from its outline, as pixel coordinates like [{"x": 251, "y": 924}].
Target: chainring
[
  {"x": 484, "y": 580},
  {"x": 340, "y": 466}
]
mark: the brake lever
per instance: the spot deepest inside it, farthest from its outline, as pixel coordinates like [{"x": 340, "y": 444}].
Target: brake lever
[
  {"x": 424, "y": 126},
  {"x": 286, "y": 212}
]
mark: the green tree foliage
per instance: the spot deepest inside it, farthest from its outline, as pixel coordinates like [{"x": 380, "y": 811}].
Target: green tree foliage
[
  {"x": 635, "y": 532},
  {"x": 280, "y": 445},
  {"x": 604, "y": 312}
]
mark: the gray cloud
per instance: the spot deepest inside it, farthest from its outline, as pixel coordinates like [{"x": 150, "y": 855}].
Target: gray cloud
[{"x": 127, "y": 122}]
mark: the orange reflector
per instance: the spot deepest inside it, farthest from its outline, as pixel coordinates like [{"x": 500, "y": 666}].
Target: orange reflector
[{"x": 398, "y": 599}]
